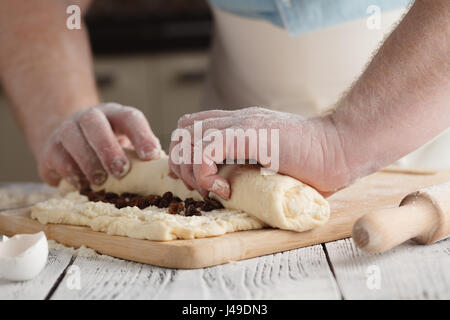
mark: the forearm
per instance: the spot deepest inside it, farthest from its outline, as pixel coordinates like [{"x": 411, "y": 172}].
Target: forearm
[
  {"x": 45, "y": 68},
  {"x": 403, "y": 98}
]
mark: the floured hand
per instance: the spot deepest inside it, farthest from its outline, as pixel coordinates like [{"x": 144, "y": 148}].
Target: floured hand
[
  {"x": 309, "y": 149},
  {"x": 88, "y": 145}
]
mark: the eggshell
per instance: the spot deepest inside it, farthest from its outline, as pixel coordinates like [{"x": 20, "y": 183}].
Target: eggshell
[{"x": 23, "y": 256}]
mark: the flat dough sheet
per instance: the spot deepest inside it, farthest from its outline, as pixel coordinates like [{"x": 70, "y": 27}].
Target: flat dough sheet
[{"x": 151, "y": 223}]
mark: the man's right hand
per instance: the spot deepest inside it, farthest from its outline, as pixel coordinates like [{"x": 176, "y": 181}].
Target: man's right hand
[
  {"x": 88, "y": 146},
  {"x": 310, "y": 150}
]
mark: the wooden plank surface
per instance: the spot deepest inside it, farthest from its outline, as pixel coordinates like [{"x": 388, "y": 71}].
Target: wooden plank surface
[
  {"x": 297, "y": 274},
  {"x": 409, "y": 271},
  {"x": 382, "y": 189}
]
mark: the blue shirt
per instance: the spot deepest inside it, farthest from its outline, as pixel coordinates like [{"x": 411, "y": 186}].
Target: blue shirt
[{"x": 300, "y": 16}]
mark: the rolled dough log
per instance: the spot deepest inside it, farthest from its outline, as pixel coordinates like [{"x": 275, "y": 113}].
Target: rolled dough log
[
  {"x": 278, "y": 200},
  {"x": 148, "y": 177}
]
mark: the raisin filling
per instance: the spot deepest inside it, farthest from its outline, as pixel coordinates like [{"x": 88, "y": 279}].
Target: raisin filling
[{"x": 188, "y": 207}]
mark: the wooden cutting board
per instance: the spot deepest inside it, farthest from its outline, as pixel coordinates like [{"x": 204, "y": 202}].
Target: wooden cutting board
[{"x": 382, "y": 189}]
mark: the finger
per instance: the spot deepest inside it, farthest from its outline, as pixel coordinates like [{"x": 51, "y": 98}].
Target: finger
[
  {"x": 206, "y": 172},
  {"x": 132, "y": 123},
  {"x": 187, "y": 176},
  {"x": 59, "y": 164},
  {"x": 124, "y": 142},
  {"x": 103, "y": 144},
  {"x": 74, "y": 142},
  {"x": 49, "y": 176},
  {"x": 189, "y": 119},
  {"x": 208, "y": 179},
  {"x": 174, "y": 160},
  {"x": 183, "y": 170}
]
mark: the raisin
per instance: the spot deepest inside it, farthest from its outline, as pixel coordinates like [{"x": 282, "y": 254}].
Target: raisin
[
  {"x": 191, "y": 211},
  {"x": 189, "y": 201},
  {"x": 121, "y": 203},
  {"x": 128, "y": 196},
  {"x": 213, "y": 203},
  {"x": 154, "y": 200},
  {"x": 102, "y": 199},
  {"x": 168, "y": 196},
  {"x": 143, "y": 203},
  {"x": 111, "y": 195},
  {"x": 201, "y": 206},
  {"x": 92, "y": 196},
  {"x": 85, "y": 191},
  {"x": 176, "y": 207},
  {"x": 133, "y": 202},
  {"x": 164, "y": 203}
]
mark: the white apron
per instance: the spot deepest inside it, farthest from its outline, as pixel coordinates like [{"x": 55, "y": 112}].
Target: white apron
[{"x": 256, "y": 63}]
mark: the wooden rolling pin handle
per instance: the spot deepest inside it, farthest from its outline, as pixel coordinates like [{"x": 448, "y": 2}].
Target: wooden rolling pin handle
[{"x": 383, "y": 229}]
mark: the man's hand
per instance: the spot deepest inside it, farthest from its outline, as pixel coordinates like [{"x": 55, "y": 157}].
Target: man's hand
[
  {"x": 47, "y": 73},
  {"x": 309, "y": 149},
  {"x": 88, "y": 146},
  {"x": 400, "y": 102}
]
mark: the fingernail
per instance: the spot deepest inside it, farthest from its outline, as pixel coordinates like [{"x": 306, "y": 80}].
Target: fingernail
[
  {"x": 221, "y": 188},
  {"x": 153, "y": 154},
  {"x": 99, "y": 177},
  {"x": 119, "y": 167}
]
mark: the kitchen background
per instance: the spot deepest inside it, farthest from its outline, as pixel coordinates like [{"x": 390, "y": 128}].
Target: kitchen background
[{"x": 148, "y": 54}]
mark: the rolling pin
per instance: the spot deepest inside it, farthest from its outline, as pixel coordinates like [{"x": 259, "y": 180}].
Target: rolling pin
[{"x": 423, "y": 216}]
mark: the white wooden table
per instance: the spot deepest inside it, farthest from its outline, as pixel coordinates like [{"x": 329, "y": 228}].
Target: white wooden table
[{"x": 336, "y": 270}]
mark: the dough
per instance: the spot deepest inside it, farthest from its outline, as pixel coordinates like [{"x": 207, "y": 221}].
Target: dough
[
  {"x": 278, "y": 200},
  {"x": 257, "y": 200},
  {"x": 148, "y": 177},
  {"x": 151, "y": 223}
]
